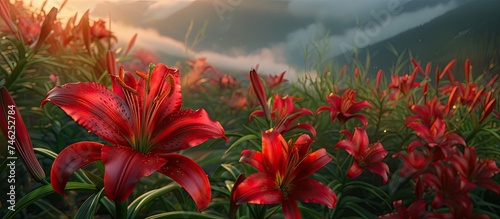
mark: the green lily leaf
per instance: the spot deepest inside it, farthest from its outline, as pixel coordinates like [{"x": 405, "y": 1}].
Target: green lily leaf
[
  {"x": 42, "y": 192},
  {"x": 89, "y": 207},
  {"x": 146, "y": 198}
]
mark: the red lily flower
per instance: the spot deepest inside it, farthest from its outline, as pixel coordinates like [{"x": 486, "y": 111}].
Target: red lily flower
[
  {"x": 404, "y": 83},
  {"x": 236, "y": 101},
  {"x": 227, "y": 81},
  {"x": 198, "y": 66},
  {"x": 282, "y": 178},
  {"x": 366, "y": 155},
  {"x": 143, "y": 122},
  {"x": 415, "y": 163},
  {"x": 284, "y": 113},
  {"x": 6, "y": 16},
  {"x": 275, "y": 80},
  {"x": 450, "y": 190},
  {"x": 415, "y": 210},
  {"x": 14, "y": 130},
  {"x": 99, "y": 31},
  {"x": 427, "y": 114},
  {"x": 474, "y": 171},
  {"x": 344, "y": 108},
  {"x": 434, "y": 136}
]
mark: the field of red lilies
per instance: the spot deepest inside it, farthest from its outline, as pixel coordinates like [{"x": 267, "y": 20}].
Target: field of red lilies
[{"x": 95, "y": 131}]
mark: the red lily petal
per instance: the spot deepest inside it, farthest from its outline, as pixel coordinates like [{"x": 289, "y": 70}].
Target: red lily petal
[
  {"x": 190, "y": 176},
  {"x": 453, "y": 139},
  {"x": 258, "y": 188},
  {"x": 349, "y": 146},
  {"x": 467, "y": 70},
  {"x": 492, "y": 81},
  {"x": 379, "y": 168},
  {"x": 254, "y": 158},
  {"x": 413, "y": 75},
  {"x": 360, "y": 139},
  {"x": 361, "y": 118},
  {"x": 354, "y": 171},
  {"x": 335, "y": 101},
  {"x": 113, "y": 73},
  {"x": 274, "y": 149},
  {"x": 312, "y": 191},
  {"x": 447, "y": 70},
  {"x": 173, "y": 102},
  {"x": 22, "y": 139},
  {"x": 184, "y": 129},
  {"x": 347, "y": 133},
  {"x": 378, "y": 78},
  {"x": 359, "y": 106},
  {"x": 489, "y": 184},
  {"x": 124, "y": 168},
  {"x": 290, "y": 209},
  {"x": 233, "y": 207},
  {"x": 488, "y": 108},
  {"x": 305, "y": 126},
  {"x": 322, "y": 108},
  {"x": 6, "y": 16},
  {"x": 422, "y": 131},
  {"x": 71, "y": 159},
  {"x": 256, "y": 113},
  {"x": 375, "y": 153},
  {"x": 413, "y": 145},
  {"x": 312, "y": 163},
  {"x": 302, "y": 145},
  {"x": 96, "y": 108}
]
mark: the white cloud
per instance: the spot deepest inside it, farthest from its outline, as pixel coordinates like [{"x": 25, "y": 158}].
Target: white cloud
[
  {"x": 149, "y": 39},
  {"x": 163, "y": 9},
  {"x": 270, "y": 60},
  {"x": 370, "y": 32}
]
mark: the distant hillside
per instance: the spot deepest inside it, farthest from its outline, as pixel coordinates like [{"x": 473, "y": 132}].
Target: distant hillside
[{"x": 472, "y": 30}]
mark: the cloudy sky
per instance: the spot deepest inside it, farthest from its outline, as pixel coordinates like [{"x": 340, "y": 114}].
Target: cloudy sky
[{"x": 272, "y": 33}]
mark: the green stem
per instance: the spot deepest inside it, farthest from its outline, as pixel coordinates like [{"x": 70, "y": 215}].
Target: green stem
[
  {"x": 121, "y": 209},
  {"x": 472, "y": 134},
  {"x": 334, "y": 213}
]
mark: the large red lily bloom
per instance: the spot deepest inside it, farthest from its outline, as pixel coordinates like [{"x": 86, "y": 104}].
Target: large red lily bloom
[
  {"x": 144, "y": 124},
  {"x": 434, "y": 136},
  {"x": 284, "y": 114},
  {"x": 366, "y": 155},
  {"x": 475, "y": 171},
  {"x": 282, "y": 178},
  {"x": 14, "y": 130},
  {"x": 344, "y": 108},
  {"x": 449, "y": 189}
]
